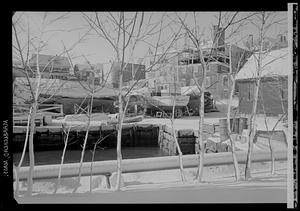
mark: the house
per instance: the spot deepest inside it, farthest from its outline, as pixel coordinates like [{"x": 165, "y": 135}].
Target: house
[
  {"x": 87, "y": 72},
  {"x": 273, "y": 93},
  {"x": 50, "y": 66},
  {"x": 131, "y": 72},
  {"x": 65, "y": 92},
  {"x": 184, "y": 65},
  {"x": 269, "y": 42}
]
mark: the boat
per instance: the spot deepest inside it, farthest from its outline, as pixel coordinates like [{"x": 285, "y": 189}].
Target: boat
[
  {"x": 113, "y": 118},
  {"x": 180, "y": 100}
]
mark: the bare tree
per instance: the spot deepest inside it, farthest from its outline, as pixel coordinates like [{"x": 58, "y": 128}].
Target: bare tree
[
  {"x": 35, "y": 86},
  {"x": 232, "y": 77},
  {"x": 265, "y": 21},
  {"x": 175, "y": 136},
  {"x": 196, "y": 37},
  {"x": 121, "y": 31},
  {"x": 270, "y": 131}
]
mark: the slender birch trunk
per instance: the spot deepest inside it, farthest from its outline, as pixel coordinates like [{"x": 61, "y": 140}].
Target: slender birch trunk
[
  {"x": 62, "y": 159},
  {"x": 119, "y": 136},
  {"x": 235, "y": 162},
  {"x": 182, "y": 174},
  {"x": 93, "y": 156},
  {"x": 200, "y": 138},
  {"x": 255, "y": 100},
  {"x": 31, "y": 149},
  {"x": 201, "y": 118},
  {"x": 23, "y": 154},
  {"x": 252, "y": 132},
  {"x": 272, "y": 155},
  {"x": 86, "y": 134},
  {"x": 91, "y": 173},
  {"x": 121, "y": 116},
  {"x": 32, "y": 128}
]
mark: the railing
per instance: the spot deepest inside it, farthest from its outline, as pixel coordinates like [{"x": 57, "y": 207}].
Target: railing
[{"x": 146, "y": 164}]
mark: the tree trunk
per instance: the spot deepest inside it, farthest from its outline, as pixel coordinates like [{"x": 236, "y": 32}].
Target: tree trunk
[
  {"x": 252, "y": 132},
  {"x": 119, "y": 136},
  {"x": 31, "y": 149},
  {"x": 200, "y": 138},
  {"x": 272, "y": 156},
  {"x": 235, "y": 162},
  {"x": 91, "y": 174},
  {"x": 269, "y": 138},
  {"x": 255, "y": 99},
  {"x": 86, "y": 136},
  {"x": 183, "y": 179},
  {"x": 23, "y": 153},
  {"x": 32, "y": 128},
  {"x": 62, "y": 159}
]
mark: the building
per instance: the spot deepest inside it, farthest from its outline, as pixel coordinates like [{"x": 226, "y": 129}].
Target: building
[
  {"x": 184, "y": 65},
  {"x": 70, "y": 94},
  {"x": 54, "y": 67},
  {"x": 269, "y": 42},
  {"x": 131, "y": 72},
  {"x": 273, "y": 93},
  {"x": 87, "y": 72}
]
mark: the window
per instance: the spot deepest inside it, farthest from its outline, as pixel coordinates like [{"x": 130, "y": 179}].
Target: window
[{"x": 225, "y": 80}]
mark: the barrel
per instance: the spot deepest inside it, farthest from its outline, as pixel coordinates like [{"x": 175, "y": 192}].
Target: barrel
[
  {"x": 243, "y": 124},
  {"x": 234, "y": 125}
]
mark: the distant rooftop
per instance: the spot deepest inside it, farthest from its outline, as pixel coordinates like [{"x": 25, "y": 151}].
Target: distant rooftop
[
  {"x": 57, "y": 61},
  {"x": 64, "y": 88},
  {"x": 275, "y": 63}
]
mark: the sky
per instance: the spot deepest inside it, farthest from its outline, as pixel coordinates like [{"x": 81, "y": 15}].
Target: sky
[{"x": 72, "y": 25}]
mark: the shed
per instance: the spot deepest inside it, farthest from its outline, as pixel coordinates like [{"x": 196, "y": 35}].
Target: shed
[{"x": 273, "y": 93}]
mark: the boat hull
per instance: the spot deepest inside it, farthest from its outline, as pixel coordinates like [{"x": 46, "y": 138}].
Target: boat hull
[{"x": 167, "y": 101}]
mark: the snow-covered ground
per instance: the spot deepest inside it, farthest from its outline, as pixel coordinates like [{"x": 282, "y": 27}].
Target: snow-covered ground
[
  {"x": 166, "y": 186},
  {"x": 218, "y": 186},
  {"x": 184, "y": 123}
]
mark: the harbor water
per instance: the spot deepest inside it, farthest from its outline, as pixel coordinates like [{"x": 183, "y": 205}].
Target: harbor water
[{"x": 73, "y": 156}]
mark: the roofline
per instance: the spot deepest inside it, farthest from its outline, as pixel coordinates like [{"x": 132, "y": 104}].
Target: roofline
[{"x": 264, "y": 78}]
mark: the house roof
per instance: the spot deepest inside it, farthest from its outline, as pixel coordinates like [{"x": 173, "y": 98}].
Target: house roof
[
  {"x": 63, "y": 88},
  {"x": 274, "y": 63},
  {"x": 58, "y": 61},
  {"x": 88, "y": 67}
]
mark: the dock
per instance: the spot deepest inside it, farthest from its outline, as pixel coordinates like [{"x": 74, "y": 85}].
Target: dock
[
  {"x": 152, "y": 132},
  {"x": 52, "y": 137},
  {"x": 148, "y": 132}
]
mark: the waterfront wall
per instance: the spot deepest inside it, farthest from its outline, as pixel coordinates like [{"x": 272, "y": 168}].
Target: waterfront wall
[
  {"x": 187, "y": 139},
  {"x": 52, "y": 137}
]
